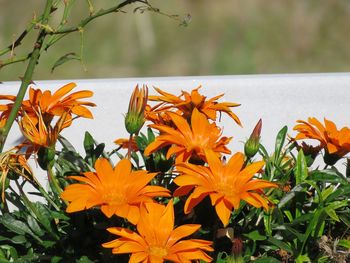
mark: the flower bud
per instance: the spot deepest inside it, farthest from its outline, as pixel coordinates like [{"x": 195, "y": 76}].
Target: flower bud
[
  {"x": 135, "y": 118},
  {"x": 251, "y": 147},
  {"x": 237, "y": 249}
]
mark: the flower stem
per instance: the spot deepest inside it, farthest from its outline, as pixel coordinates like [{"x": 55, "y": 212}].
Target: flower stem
[
  {"x": 129, "y": 146},
  {"x": 45, "y": 194},
  {"x": 53, "y": 180},
  {"x": 34, "y": 56}
]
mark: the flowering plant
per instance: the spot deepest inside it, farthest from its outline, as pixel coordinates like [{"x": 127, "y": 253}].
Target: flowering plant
[{"x": 172, "y": 191}]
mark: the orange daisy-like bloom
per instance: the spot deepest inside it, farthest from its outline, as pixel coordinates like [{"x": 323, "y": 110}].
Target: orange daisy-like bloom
[
  {"x": 6, "y": 108},
  {"x": 39, "y": 134},
  {"x": 117, "y": 190},
  {"x": 50, "y": 105},
  {"x": 186, "y": 102},
  {"x": 57, "y": 103},
  {"x": 336, "y": 142},
  {"x": 186, "y": 142},
  {"x": 157, "y": 240},
  {"x": 126, "y": 143},
  {"x": 157, "y": 117},
  {"x": 226, "y": 184}
]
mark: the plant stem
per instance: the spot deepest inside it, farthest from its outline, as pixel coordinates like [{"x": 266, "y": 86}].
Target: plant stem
[
  {"x": 27, "y": 76},
  {"x": 129, "y": 146},
  {"x": 45, "y": 194},
  {"x": 53, "y": 180},
  {"x": 87, "y": 20}
]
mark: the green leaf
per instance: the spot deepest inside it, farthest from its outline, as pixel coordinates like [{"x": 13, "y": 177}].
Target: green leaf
[
  {"x": 65, "y": 58},
  {"x": 293, "y": 231},
  {"x": 150, "y": 135},
  {"x": 84, "y": 259},
  {"x": 33, "y": 224},
  {"x": 255, "y": 235},
  {"x": 331, "y": 213},
  {"x": 92, "y": 153},
  {"x": 290, "y": 195},
  {"x": 280, "y": 244},
  {"x": 328, "y": 176},
  {"x": 55, "y": 259},
  {"x": 88, "y": 144},
  {"x": 15, "y": 225},
  {"x": 281, "y": 136},
  {"x": 263, "y": 152},
  {"x": 98, "y": 151},
  {"x": 302, "y": 259},
  {"x": 267, "y": 260},
  {"x": 20, "y": 239},
  {"x": 66, "y": 144},
  {"x": 344, "y": 243},
  {"x": 342, "y": 193},
  {"x": 45, "y": 218},
  {"x": 301, "y": 168}
]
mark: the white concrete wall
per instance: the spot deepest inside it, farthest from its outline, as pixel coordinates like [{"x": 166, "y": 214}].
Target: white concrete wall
[{"x": 277, "y": 99}]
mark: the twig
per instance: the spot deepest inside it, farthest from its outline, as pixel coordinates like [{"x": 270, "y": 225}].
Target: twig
[{"x": 27, "y": 77}]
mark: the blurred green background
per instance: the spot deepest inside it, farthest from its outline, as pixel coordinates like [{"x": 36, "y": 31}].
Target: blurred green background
[{"x": 223, "y": 37}]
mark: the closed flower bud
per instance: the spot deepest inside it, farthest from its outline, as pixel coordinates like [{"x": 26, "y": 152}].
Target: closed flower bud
[
  {"x": 251, "y": 147},
  {"x": 135, "y": 118}
]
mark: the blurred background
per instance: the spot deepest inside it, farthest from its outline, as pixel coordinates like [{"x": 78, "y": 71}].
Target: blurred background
[{"x": 223, "y": 37}]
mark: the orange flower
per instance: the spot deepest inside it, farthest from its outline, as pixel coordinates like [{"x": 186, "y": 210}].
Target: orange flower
[
  {"x": 55, "y": 104},
  {"x": 117, "y": 190},
  {"x": 12, "y": 161},
  {"x": 186, "y": 142},
  {"x": 6, "y": 108},
  {"x": 157, "y": 240},
  {"x": 226, "y": 184},
  {"x": 124, "y": 143},
  {"x": 335, "y": 142},
  {"x": 40, "y": 134},
  {"x": 51, "y": 105},
  {"x": 157, "y": 117},
  {"x": 187, "y": 102}
]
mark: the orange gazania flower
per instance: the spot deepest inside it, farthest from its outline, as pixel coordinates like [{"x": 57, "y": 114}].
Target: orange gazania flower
[
  {"x": 226, "y": 184},
  {"x": 6, "y": 108},
  {"x": 157, "y": 240},
  {"x": 157, "y": 117},
  {"x": 59, "y": 102},
  {"x": 126, "y": 143},
  {"x": 186, "y": 141},
  {"x": 186, "y": 102},
  {"x": 335, "y": 142},
  {"x": 50, "y": 105},
  {"x": 117, "y": 190},
  {"x": 15, "y": 162},
  {"x": 38, "y": 133}
]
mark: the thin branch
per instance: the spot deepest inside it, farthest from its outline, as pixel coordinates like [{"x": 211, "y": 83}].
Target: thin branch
[
  {"x": 61, "y": 33},
  {"x": 18, "y": 41},
  {"x": 101, "y": 12},
  {"x": 27, "y": 79},
  {"x": 29, "y": 28},
  {"x": 14, "y": 60}
]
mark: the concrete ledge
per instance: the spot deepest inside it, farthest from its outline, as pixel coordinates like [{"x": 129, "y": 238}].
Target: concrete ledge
[{"x": 277, "y": 99}]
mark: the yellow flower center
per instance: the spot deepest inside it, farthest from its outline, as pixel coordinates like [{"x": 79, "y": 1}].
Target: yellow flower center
[
  {"x": 226, "y": 189},
  {"x": 158, "y": 251},
  {"x": 114, "y": 198}
]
